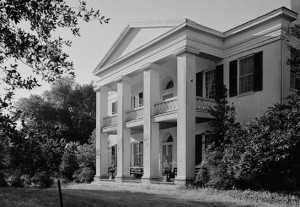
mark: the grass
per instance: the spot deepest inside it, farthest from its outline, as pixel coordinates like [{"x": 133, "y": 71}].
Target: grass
[{"x": 118, "y": 195}]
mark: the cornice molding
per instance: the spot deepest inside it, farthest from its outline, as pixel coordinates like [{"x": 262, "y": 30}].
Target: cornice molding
[
  {"x": 99, "y": 88},
  {"x": 123, "y": 79},
  {"x": 186, "y": 50},
  {"x": 149, "y": 66}
]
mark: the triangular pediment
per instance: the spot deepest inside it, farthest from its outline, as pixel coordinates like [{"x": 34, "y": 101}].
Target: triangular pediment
[{"x": 135, "y": 36}]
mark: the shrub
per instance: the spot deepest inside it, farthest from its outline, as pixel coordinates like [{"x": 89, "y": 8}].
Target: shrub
[
  {"x": 69, "y": 162},
  {"x": 42, "y": 179},
  {"x": 3, "y": 182},
  {"x": 202, "y": 176},
  {"x": 26, "y": 180},
  {"x": 85, "y": 174},
  {"x": 15, "y": 180}
]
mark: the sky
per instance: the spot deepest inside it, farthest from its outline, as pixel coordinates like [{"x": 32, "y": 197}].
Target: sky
[{"x": 96, "y": 39}]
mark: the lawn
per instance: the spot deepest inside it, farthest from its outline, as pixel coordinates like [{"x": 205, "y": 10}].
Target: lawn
[{"x": 101, "y": 196}]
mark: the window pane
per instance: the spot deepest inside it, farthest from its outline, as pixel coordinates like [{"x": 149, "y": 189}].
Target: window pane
[
  {"x": 210, "y": 84},
  {"x": 246, "y": 74},
  {"x": 170, "y": 84},
  {"x": 141, "y": 99}
]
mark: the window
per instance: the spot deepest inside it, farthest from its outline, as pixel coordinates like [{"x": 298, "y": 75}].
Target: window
[
  {"x": 167, "y": 88},
  {"x": 141, "y": 99},
  {"x": 137, "y": 100},
  {"x": 246, "y": 74},
  {"x": 114, "y": 108},
  {"x": 210, "y": 84},
  {"x": 138, "y": 154}
]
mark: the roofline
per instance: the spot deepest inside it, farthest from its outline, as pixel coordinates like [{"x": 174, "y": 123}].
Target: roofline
[
  {"x": 283, "y": 11},
  {"x": 261, "y": 19},
  {"x": 185, "y": 23},
  {"x": 148, "y": 24}
]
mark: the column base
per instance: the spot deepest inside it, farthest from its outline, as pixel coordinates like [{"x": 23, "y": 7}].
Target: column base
[
  {"x": 150, "y": 180},
  {"x": 98, "y": 178},
  {"x": 121, "y": 179},
  {"x": 184, "y": 181}
]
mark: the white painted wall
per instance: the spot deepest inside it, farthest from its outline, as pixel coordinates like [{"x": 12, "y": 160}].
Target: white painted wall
[{"x": 252, "y": 104}]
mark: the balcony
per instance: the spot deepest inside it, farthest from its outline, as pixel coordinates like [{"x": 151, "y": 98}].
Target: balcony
[
  {"x": 203, "y": 104},
  {"x": 163, "y": 111},
  {"x": 134, "y": 114},
  {"x": 110, "y": 120},
  {"x": 167, "y": 106}
]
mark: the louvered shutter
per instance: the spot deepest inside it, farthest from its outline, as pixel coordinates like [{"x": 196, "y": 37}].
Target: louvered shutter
[
  {"x": 233, "y": 78},
  {"x": 199, "y": 84},
  {"x": 258, "y": 71}
]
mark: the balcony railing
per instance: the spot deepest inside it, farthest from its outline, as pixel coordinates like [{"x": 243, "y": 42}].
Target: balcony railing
[
  {"x": 203, "y": 104},
  {"x": 165, "y": 106},
  {"x": 110, "y": 120},
  {"x": 134, "y": 114},
  {"x": 170, "y": 105}
]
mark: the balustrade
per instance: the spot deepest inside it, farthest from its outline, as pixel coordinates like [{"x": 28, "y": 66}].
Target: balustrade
[
  {"x": 170, "y": 105},
  {"x": 165, "y": 106},
  {"x": 136, "y": 113},
  {"x": 110, "y": 120},
  {"x": 203, "y": 104}
]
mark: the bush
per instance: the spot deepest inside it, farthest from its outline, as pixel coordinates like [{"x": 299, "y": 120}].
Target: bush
[
  {"x": 26, "y": 180},
  {"x": 42, "y": 179},
  {"x": 85, "y": 174},
  {"x": 15, "y": 180},
  {"x": 202, "y": 176},
  {"x": 3, "y": 182},
  {"x": 69, "y": 162}
]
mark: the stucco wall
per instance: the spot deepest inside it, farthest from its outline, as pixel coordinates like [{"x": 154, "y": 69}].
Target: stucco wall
[{"x": 252, "y": 104}]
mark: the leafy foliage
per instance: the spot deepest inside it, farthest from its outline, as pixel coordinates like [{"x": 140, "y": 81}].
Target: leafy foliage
[
  {"x": 69, "y": 162},
  {"x": 28, "y": 40},
  {"x": 214, "y": 171},
  {"x": 66, "y": 111}
]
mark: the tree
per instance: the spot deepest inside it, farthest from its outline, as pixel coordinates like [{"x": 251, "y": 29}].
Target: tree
[
  {"x": 67, "y": 111},
  {"x": 27, "y": 36},
  {"x": 214, "y": 171}
]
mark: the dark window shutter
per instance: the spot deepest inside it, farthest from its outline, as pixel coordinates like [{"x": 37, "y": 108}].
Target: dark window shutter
[
  {"x": 198, "y": 149},
  {"x": 233, "y": 78},
  {"x": 258, "y": 71},
  {"x": 219, "y": 81},
  {"x": 199, "y": 84}
]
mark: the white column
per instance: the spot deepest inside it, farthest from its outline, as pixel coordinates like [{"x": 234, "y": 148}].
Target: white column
[
  {"x": 151, "y": 129},
  {"x": 186, "y": 94},
  {"x": 123, "y": 133},
  {"x": 101, "y": 138}
]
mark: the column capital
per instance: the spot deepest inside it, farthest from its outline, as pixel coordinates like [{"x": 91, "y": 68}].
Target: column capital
[
  {"x": 186, "y": 50},
  {"x": 125, "y": 79},
  {"x": 100, "y": 88},
  {"x": 149, "y": 66}
]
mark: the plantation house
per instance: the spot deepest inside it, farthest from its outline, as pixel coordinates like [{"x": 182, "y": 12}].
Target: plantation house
[{"x": 158, "y": 80}]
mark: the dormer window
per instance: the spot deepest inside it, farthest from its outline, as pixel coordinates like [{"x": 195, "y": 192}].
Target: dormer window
[{"x": 167, "y": 88}]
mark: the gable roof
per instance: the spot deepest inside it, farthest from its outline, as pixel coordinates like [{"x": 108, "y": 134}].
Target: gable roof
[
  {"x": 135, "y": 35},
  {"x": 140, "y": 34}
]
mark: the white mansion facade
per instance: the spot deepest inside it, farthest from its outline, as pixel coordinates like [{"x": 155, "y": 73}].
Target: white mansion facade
[{"x": 159, "y": 78}]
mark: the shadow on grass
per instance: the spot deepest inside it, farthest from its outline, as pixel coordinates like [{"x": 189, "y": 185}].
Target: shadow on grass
[{"x": 99, "y": 198}]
